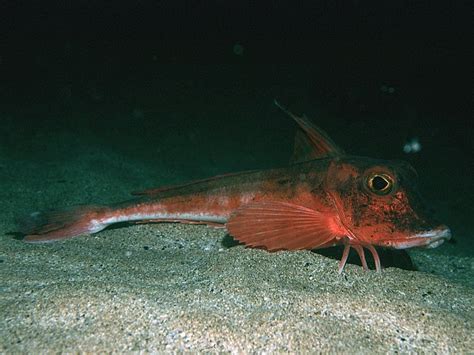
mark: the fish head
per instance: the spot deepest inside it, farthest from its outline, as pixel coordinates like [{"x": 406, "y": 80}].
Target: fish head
[{"x": 379, "y": 204}]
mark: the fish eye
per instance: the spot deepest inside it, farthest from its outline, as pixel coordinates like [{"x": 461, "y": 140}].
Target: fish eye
[{"x": 381, "y": 184}]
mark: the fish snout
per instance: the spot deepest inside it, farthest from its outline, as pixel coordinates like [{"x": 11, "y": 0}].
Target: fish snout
[{"x": 435, "y": 237}]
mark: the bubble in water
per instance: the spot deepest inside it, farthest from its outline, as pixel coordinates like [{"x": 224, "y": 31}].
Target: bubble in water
[
  {"x": 412, "y": 146},
  {"x": 238, "y": 49}
]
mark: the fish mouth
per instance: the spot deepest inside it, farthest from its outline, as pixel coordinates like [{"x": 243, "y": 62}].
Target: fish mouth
[
  {"x": 428, "y": 239},
  {"x": 435, "y": 237}
]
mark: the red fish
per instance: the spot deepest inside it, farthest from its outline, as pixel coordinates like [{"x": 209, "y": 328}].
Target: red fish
[{"x": 324, "y": 198}]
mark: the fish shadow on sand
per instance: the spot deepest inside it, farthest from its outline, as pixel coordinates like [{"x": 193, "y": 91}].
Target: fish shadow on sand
[{"x": 390, "y": 257}]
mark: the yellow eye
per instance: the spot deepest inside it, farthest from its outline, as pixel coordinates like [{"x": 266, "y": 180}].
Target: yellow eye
[{"x": 381, "y": 184}]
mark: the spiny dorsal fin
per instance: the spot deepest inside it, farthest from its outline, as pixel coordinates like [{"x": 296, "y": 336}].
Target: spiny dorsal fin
[{"x": 311, "y": 142}]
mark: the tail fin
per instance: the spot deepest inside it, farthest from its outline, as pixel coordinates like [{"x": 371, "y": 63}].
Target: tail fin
[{"x": 43, "y": 227}]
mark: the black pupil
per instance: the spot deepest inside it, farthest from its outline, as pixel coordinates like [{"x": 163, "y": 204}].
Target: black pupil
[{"x": 379, "y": 183}]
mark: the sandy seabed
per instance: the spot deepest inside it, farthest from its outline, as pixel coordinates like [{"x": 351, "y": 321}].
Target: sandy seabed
[{"x": 175, "y": 287}]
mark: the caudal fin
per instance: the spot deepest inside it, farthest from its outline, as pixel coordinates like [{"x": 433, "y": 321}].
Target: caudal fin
[{"x": 43, "y": 227}]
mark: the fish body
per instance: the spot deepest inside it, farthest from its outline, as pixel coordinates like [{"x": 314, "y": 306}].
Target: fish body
[
  {"x": 210, "y": 201},
  {"x": 324, "y": 198}
]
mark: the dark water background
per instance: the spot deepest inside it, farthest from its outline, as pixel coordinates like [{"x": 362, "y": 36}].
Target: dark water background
[{"x": 202, "y": 105}]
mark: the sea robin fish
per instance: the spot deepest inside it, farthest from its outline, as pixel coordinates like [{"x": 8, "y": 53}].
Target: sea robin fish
[{"x": 324, "y": 198}]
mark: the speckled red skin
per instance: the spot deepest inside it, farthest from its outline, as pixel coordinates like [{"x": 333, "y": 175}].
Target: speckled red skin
[{"x": 301, "y": 184}]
